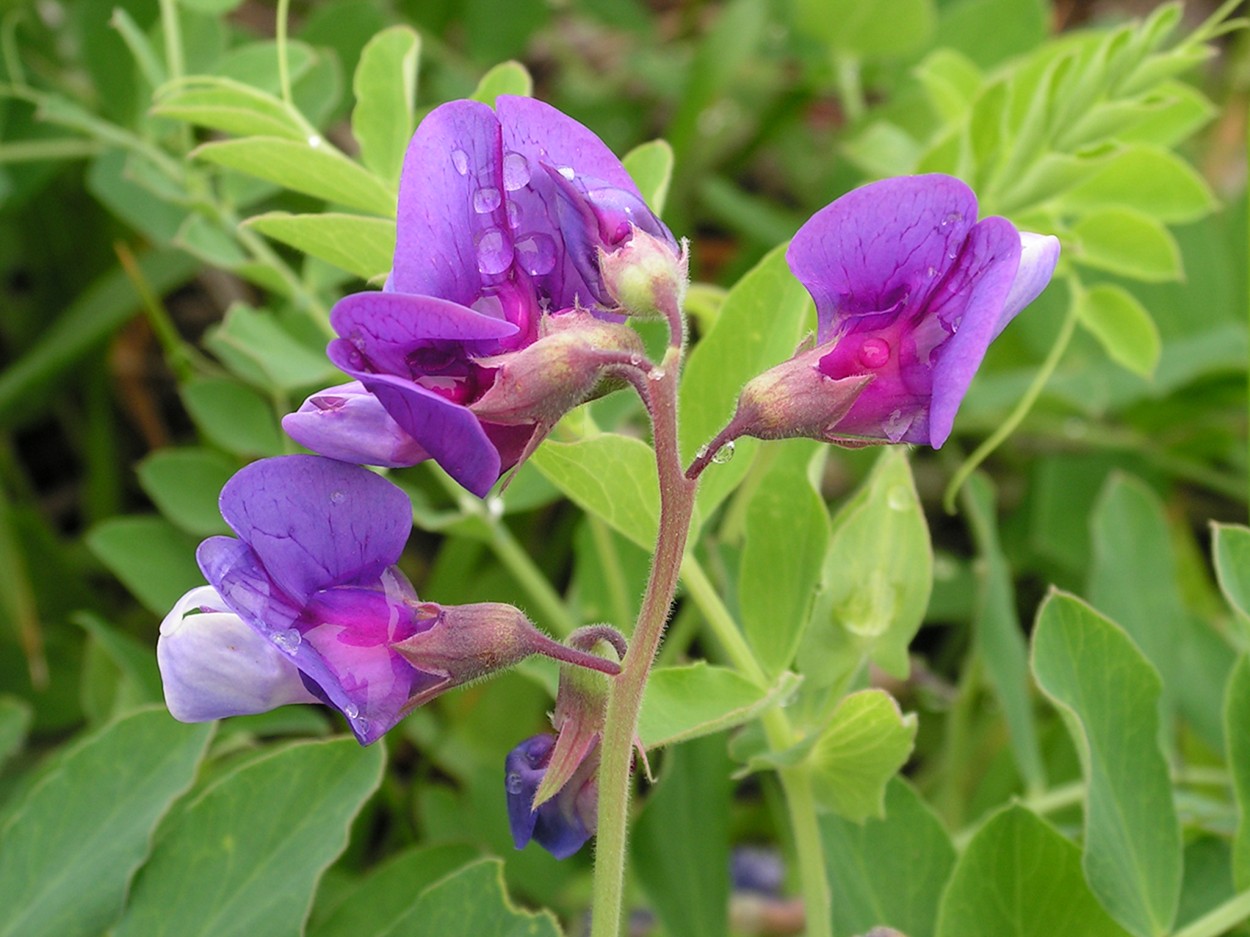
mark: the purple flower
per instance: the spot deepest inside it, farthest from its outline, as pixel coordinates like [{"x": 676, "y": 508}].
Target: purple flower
[
  {"x": 562, "y": 824},
  {"x": 502, "y": 214},
  {"x": 910, "y": 290}
]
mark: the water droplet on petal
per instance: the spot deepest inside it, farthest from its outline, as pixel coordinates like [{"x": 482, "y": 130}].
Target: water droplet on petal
[
  {"x": 288, "y": 640},
  {"x": 516, "y": 171},
  {"x": 537, "y": 253},
  {"x": 724, "y": 453},
  {"x": 874, "y": 353},
  {"x": 514, "y": 214},
  {"x": 486, "y": 200},
  {"x": 494, "y": 253},
  {"x": 362, "y": 726},
  {"x": 898, "y": 498},
  {"x": 896, "y": 426},
  {"x": 515, "y": 782},
  {"x": 336, "y": 497},
  {"x": 951, "y": 219},
  {"x": 567, "y": 172},
  {"x": 351, "y": 711},
  {"x": 460, "y": 160},
  {"x": 931, "y": 272}
]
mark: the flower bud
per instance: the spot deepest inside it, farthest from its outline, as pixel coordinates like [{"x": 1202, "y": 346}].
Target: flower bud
[
  {"x": 543, "y": 381},
  {"x": 348, "y": 423},
  {"x": 561, "y": 826},
  {"x": 645, "y": 275}
]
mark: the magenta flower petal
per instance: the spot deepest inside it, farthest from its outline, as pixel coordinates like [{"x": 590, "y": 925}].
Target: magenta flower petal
[
  {"x": 451, "y": 222},
  {"x": 316, "y": 523},
  {"x": 881, "y": 244}
]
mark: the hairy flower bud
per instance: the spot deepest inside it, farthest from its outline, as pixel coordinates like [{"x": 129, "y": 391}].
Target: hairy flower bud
[{"x": 645, "y": 275}]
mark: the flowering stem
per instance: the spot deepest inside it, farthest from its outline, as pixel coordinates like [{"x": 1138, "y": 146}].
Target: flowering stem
[{"x": 625, "y": 700}]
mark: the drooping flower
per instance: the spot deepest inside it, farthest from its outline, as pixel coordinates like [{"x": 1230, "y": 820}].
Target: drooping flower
[
  {"x": 562, "y": 824},
  {"x": 312, "y": 575},
  {"x": 910, "y": 290},
  {"x": 502, "y": 215}
]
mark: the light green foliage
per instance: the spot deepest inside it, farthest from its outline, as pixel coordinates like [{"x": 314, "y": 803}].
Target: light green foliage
[
  {"x": 650, "y": 165},
  {"x": 785, "y": 536},
  {"x": 255, "y": 346},
  {"x": 1237, "y": 738},
  {"x": 474, "y": 903},
  {"x": 890, "y": 870},
  {"x": 385, "y": 85},
  {"x": 878, "y": 575},
  {"x": 1231, "y": 550},
  {"x": 1121, "y": 323},
  {"x": 860, "y": 29},
  {"x": 244, "y": 855},
  {"x": 232, "y": 416},
  {"x": 698, "y": 699},
  {"x": 359, "y": 244},
  {"x": 505, "y": 78},
  {"x": 1109, "y": 696},
  {"x": 184, "y": 485},
  {"x": 152, "y": 557},
  {"x": 73, "y": 842},
  {"x": 229, "y": 106},
  {"x": 1019, "y": 877},
  {"x": 15, "y": 719}
]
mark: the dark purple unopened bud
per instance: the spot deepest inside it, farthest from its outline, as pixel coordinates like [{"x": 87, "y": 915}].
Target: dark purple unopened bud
[
  {"x": 541, "y": 382},
  {"x": 561, "y": 825}
]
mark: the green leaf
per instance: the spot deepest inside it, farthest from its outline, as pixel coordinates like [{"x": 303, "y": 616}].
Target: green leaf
[
  {"x": 759, "y": 325},
  {"x": 385, "y": 85},
  {"x": 504, "y": 78},
  {"x": 864, "y": 744},
  {"x": 383, "y": 903},
  {"x": 680, "y": 845},
  {"x": 152, "y": 558},
  {"x": 184, "y": 484},
  {"x": 474, "y": 903},
  {"x": 132, "y": 658},
  {"x": 1146, "y": 179},
  {"x": 879, "y": 572},
  {"x": 888, "y": 871},
  {"x": 72, "y": 844},
  {"x": 210, "y": 242},
  {"x": 951, "y": 81},
  {"x": 317, "y": 170},
  {"x": 609, "y": 475},
  {"x": 255, "y": 345},
  {"x": 1237, "y": 740},
  {"x": 232, "y": 416},
  {"x": 862, "y": 30},
  {"x": 1019, "y": 878},
  {"x": 15, "y": 719},
  {"x": 1133, "y": 579},
  {"x": 229, "y": 106},
  {"x": 650, "y": 165},
  {"x": 997, "y": 632},
  {"x": 784, "y": 542},
  {"x": 358, "y": 244},
  {"x": 1231, "y": 551},
  {"x": 698, "y": 699},
  {"x": 244, "y": 856},
  {"x": 1127, "y": 242},
  {"x": 1109, "y": 694},
  {"x": 1122, "y": 325}
]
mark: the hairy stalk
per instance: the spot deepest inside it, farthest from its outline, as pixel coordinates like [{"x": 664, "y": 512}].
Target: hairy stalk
[{"x": 625, "y": 700}]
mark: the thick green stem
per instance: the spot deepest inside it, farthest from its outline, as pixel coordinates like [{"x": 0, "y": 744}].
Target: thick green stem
[{"x": 625, "y": 700}]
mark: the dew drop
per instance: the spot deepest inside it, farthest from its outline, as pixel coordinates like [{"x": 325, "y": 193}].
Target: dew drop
[
  {"x": 315, "y": 141},
  {"x": 351, "y": 711},
  {"x": 536, "y": 253},
  {"x": 494, "y": 507},
  {"x": 336, "y": 497},
  {"x": 931, "y": 272},
  {"x": 362, "y": 725},
  {"x": 897, "y": 498},
  {"x": 567, "y": 172},
  {"x": 494, "y": 253},
  {"x": 514, "y": 214},
  {"x": 656, "y": 374},
  {"x": 896, "y": 426},
  {"x": 724, "y": 453},
  {"x": 515, "y": 782},
  {"x": 486, "y": 200},
  {"x": 460, "y": 160},
  {"x": 288, "y": 640},
  {"x": 516, "y": 171},
  {"x": 951, "y": 219},
  {"x": 701, "y": 452},
  {"x": 874, "y": 353},
  {"x": 635, "y": 360}
]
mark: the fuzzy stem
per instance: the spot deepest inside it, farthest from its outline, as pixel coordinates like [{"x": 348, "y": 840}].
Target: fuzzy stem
[
  {"x": 571, "y": 655},
  {"x": 625, "y": 700}
]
